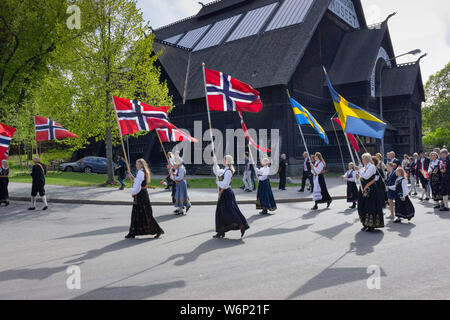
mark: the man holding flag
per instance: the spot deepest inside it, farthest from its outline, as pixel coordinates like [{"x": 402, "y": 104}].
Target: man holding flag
[{"x": 6, "y": 134}]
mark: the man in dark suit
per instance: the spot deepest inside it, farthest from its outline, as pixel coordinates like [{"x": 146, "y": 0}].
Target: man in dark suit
[
  {"x": 392, "y": 158},
  {"x": 282, "y": 172},
  {"x": 306, "y": 173},
  {"x": 413, "y": 171}
]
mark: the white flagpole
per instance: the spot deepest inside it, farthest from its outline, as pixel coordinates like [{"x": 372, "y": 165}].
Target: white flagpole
[
  {"x": 210, "y": 125},
  {"x": 301, "y": 132}
]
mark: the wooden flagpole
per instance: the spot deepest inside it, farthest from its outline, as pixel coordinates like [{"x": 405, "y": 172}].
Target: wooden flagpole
[
  {"x": 210, "y": 125},
  {"x": 121, "y": 140}
]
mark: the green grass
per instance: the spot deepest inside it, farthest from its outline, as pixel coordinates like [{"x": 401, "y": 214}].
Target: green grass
[{"x": 75, "y": 179}]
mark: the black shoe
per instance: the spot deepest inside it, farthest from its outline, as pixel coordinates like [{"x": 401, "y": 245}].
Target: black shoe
[
  {"x": 187, "y": 209},
  {"x": 243, "y": 187},
  {"x": 6, "y": 203},
  {"x": 364, "y": 229},
  {"x": 315, "y": 207},
  {"x": 32, "y": 208},
  {"x": 129, "y": 236},
  {"x": 219, "y": 235},
  {"x": 242, "y": 232},
  {"x": 45, "y": 208},
  {"x": 444, "y": 209},
  {"x": 370, "y": 229},
  {"x": 437, "y": 207},
  {"x": 263, "y": 212},
  {"x": 301, "y": 190},
  {"x": 414, "y": 194},
  {"x": 353, "y": 206},
  {"x": 398, "y": 221},
  {"x": 427, "y": 199},
  {"x": 328, "y": 203},
  {"x": 157, "y": 236}
]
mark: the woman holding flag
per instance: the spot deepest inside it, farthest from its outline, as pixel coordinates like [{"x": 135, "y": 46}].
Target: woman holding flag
[
  {"x": 228, "y": 215},
  {"x": 264, "y": 198},
  {"x": 142, "y": 221},
  {"x": 320, "y": 192},
  {"x": 369, "y": 216},
  {"x": 4, "y": 181}
]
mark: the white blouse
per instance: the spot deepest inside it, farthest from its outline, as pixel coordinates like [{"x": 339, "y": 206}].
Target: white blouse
[
  {"x": 405, "y": 189},
  {"x": 433, "y": 165},
  {"x": 137, "y": 185},
  {"x": 180, "y": 173},
  {"x": 263, "y": 173},
  {"x": 347, "y": 174},
  {"x": 368, "y": 171},
  {"x": 318, "y": 167},
  {"x": 227, "y": 176}
]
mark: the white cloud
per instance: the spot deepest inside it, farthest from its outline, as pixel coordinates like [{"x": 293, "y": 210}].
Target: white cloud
[{"x": 423, "y": 24}]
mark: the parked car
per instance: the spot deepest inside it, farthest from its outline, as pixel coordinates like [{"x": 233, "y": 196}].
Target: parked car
[{"x": 87, "y": 165}]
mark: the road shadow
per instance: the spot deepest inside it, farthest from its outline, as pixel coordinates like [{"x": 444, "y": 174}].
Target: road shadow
[
  {"x": 365, "y": 242},
  {"x": 313, "y": 214},
  {"x": 116, "y": 246},
  {"x": 332, "y": 232},
  {"x": 118, "y": 229},
  {"x": 256, "y": 217},
  {"x": 16, "y": 213},
  {"x": 403, "y": 229},
  {"x": 278, "y": 231},
  {"x": 205, "y": 247},
  {"x": 442, "y": 214},
  {"x": 131, "y": 292},
  {"x": 349, "y": 211},
  {"x": 30, "y": 274},
  {"x": 332, "y": 277}
]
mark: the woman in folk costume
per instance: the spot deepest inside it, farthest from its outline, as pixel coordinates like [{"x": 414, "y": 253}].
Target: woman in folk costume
[
  {"x": 381, "y": 186},
  {"x": 264, "y": 198},
  {"x": 352, "y": 190},
  {"x": 4, "y": 181},
  {"x": 381, "y": 167},
  {"x": 228, "y": 215},
  {"x": 434, "y": 171},
  {"x": 370, "y": 217},
  {"x": 445, "y": 186},
  {"x": 142, "y": 221},
  {"x": 181, "y": 193},
  {"x": 320, "y": 192},
  {"x": 391, "y": 178},
  {"x": 404, "y": 209}
]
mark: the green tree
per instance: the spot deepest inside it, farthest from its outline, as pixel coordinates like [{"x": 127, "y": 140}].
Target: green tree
[
  {"x": 114, "y": 58},
  {"x": 436, "y": 112}
]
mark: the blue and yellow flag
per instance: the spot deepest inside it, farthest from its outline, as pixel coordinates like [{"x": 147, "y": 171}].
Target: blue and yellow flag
[
  {"x": 354, "y": 119},
  {"x": 304, "y": 117}
]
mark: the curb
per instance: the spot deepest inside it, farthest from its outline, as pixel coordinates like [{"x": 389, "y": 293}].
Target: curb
[{"x": 159, "y": 204}]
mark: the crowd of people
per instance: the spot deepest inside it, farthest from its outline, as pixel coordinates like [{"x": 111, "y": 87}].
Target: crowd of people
[{"x": 372, "y": 185}]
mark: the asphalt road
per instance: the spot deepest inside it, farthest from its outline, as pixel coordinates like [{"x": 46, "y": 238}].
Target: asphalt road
[{"x": 293, "y": 254}]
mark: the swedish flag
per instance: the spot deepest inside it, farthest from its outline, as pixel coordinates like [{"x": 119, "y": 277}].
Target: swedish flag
[
  {"x": 354, "y": 119},
  {"x": 304, "y": 117}
]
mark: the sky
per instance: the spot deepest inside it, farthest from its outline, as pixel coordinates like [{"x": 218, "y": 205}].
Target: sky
[{"x": 419, "y": 24}]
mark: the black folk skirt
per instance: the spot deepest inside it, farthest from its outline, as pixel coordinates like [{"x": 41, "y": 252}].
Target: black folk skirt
[
  {"x": 404, "y": 209},
  {"x": 264, "y": 198},
  {"x": 142, "y": 221},
  {"x": 352, "y": 192},
  {"x": 228, "y": 215},
  {"x": 436, "y": 183},
  {"x": 368, "y": 207},
  {"x": 4, "y": 196}
]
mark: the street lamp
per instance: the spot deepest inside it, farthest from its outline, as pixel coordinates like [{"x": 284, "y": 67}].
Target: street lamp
[{"x": 383, "y": 65}]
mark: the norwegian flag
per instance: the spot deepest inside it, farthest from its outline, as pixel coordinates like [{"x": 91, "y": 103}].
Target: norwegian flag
[
  {"x": 47, "y": 130},
  {"x": 249, "y": 138},
  {"x": 350, "y": 136},
  {"x": 174, "y": 135},
  {"x": 135, "y": 116},
  {"x": 228, "y": 94},
  {"x": 6, "y": 134}
]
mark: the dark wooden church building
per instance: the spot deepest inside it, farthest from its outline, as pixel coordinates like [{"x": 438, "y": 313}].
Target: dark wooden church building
[{"x": 275, "y": 45}]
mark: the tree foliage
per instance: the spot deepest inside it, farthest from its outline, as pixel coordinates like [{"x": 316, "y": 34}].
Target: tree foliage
[{"x": 436, "y": 112}]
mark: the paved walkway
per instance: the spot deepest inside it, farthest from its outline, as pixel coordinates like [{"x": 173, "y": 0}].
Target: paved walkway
[{"x": 111, "y": 196}]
